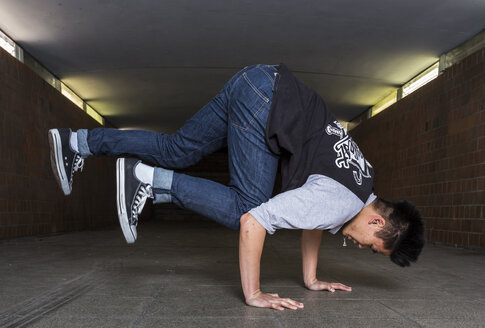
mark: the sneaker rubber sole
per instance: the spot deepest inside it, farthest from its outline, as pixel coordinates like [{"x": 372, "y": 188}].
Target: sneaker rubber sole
[
  {"x": 121, "y": 202},
  {"x": 57, "y": 163}
]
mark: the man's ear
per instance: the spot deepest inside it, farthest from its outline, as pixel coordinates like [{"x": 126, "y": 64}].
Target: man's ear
[{"x": 377, "y": 220}]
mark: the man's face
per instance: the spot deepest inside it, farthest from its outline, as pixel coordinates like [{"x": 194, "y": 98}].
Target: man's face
[
  {"x": 362, "y": 230},
  {"x": 367, "y": 239}
]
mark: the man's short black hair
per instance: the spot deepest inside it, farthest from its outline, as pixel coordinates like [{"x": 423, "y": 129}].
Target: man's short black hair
[{"x": 403, "y": 232}]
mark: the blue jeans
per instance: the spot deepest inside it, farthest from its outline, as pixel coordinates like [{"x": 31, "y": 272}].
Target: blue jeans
[{"x": 235, "y": 117}]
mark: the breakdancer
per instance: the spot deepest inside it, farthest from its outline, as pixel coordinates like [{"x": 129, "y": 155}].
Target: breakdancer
[{"x": 264, "y": 115}]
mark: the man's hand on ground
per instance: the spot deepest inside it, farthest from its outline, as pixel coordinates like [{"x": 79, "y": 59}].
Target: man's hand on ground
[
  {"x": 330, "y": 286},
  {"x": 251, "y": 240},
  {"x": 273, "y": 301}
]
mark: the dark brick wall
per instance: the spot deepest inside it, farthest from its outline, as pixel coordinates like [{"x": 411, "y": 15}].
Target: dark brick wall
[
  {"x": 31, "y": 203},
  {"x": 429, "y": 148}
]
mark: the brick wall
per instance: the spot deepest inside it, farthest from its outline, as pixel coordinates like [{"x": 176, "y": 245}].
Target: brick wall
[
  {"x": 429, "y": 148},
  {"x": 31, "y": 203}
]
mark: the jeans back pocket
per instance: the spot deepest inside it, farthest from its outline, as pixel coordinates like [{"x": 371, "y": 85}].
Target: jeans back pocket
[{"x": 251, "y": 95}]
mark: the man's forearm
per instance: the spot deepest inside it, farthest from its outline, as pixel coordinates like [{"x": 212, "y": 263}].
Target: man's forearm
[
  {"x": 251, "y": 240},
  {"x": 310, "y": 245}
]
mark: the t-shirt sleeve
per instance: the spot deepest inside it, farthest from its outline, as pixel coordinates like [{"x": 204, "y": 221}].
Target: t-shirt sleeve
[{"x": 321, "y": 203}]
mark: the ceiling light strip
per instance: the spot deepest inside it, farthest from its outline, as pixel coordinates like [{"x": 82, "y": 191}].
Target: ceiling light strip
[
  {"x": 13, "y": 49},
  {"x": 385, "y": 102},
  {"x": 446, "y": 60},
  {"x": 69, "y": 94},
  {"x": 94, "y": 114},
  {"x": 421, "y": 79},
  {"x": 7, "y": 44}
]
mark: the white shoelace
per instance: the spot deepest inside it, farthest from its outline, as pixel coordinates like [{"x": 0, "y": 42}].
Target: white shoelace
[
  {"x": 78, "y": 163},
  {"x": 143, "y": 193}
]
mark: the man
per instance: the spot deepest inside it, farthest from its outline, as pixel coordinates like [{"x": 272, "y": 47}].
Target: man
[{"x": 263, "y": 115}]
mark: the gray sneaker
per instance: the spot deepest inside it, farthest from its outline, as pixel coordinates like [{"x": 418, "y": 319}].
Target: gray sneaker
[
  {"x": 64, "y": 160},
  {"x": 131, "y": 195}
]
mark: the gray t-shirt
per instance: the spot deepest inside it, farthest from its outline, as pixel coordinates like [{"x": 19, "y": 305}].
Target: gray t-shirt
[{"x": 321, "y": 203}]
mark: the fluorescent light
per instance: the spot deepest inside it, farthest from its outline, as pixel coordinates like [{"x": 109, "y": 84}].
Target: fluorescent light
[
  {"x": 384, "y": 103},
  {"x": 69, "y": 94},
  {"x": 417, "y": 82},
  {"x": 94, "y": 114},
  {"x": 7, "y": 44},
  {"x": 10, "y": 46},
  {"x": 428, "y": 75},
  {"x": 41, "y": 71}
]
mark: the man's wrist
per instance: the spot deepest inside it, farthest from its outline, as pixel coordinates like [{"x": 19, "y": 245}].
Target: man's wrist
[
  {"x": 252, "y": 295},
  {"x": 310, "y": 281}
]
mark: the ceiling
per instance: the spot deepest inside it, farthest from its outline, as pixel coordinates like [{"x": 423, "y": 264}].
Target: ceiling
[{"x": 152, "y": 64}]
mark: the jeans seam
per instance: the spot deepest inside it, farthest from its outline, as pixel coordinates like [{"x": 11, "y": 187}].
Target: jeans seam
[
  {"x": 266, "y": 99},
  {"x": 267, "y": 74},
  {"x": 263, "y": 97},
  {"x": 250, "y": 123}
]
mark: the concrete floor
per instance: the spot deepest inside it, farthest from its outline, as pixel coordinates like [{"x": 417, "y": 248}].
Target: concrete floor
[{"x": 185, "y": 274}]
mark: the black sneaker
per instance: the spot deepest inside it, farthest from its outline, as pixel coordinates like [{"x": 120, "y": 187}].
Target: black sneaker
[
  {"x": 131, "y": 195},
  {"x": 64, "y": 160}
]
